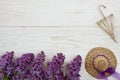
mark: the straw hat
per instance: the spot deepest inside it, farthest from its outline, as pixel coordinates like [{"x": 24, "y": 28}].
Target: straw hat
[{"x": 98, "y": 60}]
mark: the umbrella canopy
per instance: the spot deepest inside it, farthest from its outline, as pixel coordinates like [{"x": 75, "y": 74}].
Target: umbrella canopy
[{"x": 106, "y": 23}]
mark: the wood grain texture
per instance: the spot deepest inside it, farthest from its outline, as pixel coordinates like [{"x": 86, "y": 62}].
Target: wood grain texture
[
  {"x": 67, "y": 26},
  {"x": 55, "y": 12},
  {"x": 69, "y": 40}
]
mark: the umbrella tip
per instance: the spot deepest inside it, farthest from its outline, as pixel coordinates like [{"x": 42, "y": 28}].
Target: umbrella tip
[{"x": 114, "y": 39}]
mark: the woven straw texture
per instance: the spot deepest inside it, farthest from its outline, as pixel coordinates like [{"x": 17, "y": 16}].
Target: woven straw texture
[{"x": 98, "y": 60}]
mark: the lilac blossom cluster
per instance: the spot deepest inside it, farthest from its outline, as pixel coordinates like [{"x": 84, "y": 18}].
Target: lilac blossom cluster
[{"x": 30, "y": 67}]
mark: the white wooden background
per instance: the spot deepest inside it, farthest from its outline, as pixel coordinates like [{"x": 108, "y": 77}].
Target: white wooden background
[{"x": 67, "y": 26}]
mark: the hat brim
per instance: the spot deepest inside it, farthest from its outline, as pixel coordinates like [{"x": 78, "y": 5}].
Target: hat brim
[{"x": 95, "y": 52}]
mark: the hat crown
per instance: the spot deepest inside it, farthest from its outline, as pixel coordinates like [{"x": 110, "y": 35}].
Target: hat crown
[{"x": 101, "y": 63}]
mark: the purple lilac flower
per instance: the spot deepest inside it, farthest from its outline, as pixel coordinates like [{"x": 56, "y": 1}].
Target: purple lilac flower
[
  {"x": 6, "y": 59},
  {"x": 37, "y": 67},
  {"x": 6, "y": 65},
  {"x": 29, "y": 68},
  {"x": 54, "y": 69},
  {"x": 73, "y": 69},
  {"x": 1, "y": 75},
  {"x": 22, "y": 66}
]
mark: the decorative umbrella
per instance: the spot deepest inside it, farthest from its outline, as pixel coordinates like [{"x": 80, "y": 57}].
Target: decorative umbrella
[{"x": 106, "y": 23}]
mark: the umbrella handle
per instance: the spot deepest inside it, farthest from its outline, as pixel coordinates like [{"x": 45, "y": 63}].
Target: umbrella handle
[{"x": 102, "y": 6}]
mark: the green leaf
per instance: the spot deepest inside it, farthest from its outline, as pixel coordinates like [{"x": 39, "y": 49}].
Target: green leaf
[{"x": 6, "y": 78}]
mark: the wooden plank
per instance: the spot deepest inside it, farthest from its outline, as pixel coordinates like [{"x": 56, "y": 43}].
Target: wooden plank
[{"x": 55, "y": 12}]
